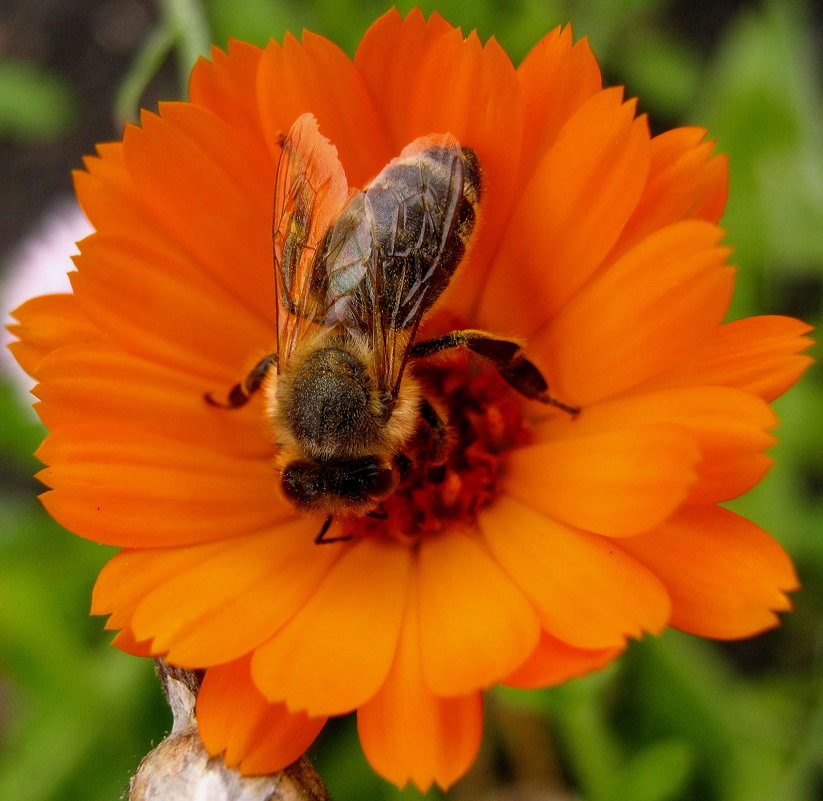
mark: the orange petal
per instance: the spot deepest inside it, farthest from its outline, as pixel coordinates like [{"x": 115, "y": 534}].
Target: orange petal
[
  {"x": 159, "y": 217},
  {"x": 318, "y": 77},
  {"x": 104, "y": 172},
  {"x": 126, "y": 642},
  {"x": 219, "y": 139},
  {"x": 335, "y": 652},
  {"x": 569, "y": 215},
  {"x": 188, "y": 322},
  {"x": 257, "y": 737},
  {"x": 47, "y": 323},
  {"x": 554, "y": 662},
  {"x": 586, "y": 590},
  {"x": 210, "y": 206},
  {"x": 244, "y": 622},
  {"x": 616, "y": 483},
  {"x": 130, "y": 575},
  {"x": 150, "y": 522},
  {"x": 480, "y": 77},
  {"x": 729, "y": 427},
  {"x": 476, "y": 625},
  {"x": 225, "y": 84},
  {"x": 407, "y": 732},
  {"x": 106, "y": 195},
  {"x": 651, "y": 308},
  {"x": 757, "y": 354},
  {"x": 102, "y": 384},
  {"x": 726, "y": 576},
  {"x": 685, "y": 182},
  {"x": 76, "y": 447},
  {"x": 556, "y": 78},
  {"x": 389, "y": 58},
  {"x": 220, "y": 606},
  {"x": 117, "y": 488}
]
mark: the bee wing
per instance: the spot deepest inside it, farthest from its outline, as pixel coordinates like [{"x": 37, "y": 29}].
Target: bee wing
[
  {"x": 310, "y": 191},
  {"x": 393, "y": 249}
]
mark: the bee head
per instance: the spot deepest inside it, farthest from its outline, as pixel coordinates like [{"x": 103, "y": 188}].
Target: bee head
[{"x": 348, "y": 485}]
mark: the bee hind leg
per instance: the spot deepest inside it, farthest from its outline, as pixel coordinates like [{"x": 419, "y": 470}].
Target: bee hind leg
[
  {"x": 240, "y": 394},
  {"x": 321, "y": 538},
  {"x": 508, "y": 356},
  {"x": 378, "y": 514},
  {"x": 437, "y": 437}
]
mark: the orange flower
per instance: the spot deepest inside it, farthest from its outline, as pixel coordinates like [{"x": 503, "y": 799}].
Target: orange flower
[{"x": 547, "y": 539}]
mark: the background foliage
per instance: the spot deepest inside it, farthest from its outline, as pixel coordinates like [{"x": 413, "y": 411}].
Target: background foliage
[{"x": 677, "y": 718}]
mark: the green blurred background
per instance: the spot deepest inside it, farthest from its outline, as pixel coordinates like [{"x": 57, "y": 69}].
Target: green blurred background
[{"x": 677, "y": 718}]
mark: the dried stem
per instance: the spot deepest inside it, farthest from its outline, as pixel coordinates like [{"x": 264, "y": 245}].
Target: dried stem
[{"x": 179, "y": 769}]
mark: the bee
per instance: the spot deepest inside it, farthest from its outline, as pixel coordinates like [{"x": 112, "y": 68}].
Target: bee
[{"x": 355, "y": 273}]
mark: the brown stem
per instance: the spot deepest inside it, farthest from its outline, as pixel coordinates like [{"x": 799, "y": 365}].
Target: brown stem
[{"x": 179, "y": 769}]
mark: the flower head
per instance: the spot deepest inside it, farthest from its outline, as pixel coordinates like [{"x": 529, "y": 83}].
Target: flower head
[{"x": 544, "y": 539}]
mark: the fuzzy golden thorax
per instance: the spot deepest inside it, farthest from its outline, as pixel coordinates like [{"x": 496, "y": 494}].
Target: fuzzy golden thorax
[{"x": 331, "y": 419}]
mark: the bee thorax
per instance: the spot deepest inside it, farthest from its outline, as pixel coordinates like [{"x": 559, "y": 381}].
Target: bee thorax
[{"x": 328, "y": 404}]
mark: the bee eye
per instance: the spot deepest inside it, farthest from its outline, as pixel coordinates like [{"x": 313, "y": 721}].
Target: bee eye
[
  {"x": 303, "y": 484},
  {"x": 364, "y": 478}
]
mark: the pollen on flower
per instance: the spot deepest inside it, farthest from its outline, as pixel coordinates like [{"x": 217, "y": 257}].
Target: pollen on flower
[{"x": 485, "y": 422}]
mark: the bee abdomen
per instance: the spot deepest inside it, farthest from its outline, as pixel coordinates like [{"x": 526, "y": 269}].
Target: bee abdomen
[{"x": 467, "y": 210}]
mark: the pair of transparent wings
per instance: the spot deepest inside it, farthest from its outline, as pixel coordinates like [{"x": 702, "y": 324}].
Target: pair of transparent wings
[{"x": 368, "y": 263}]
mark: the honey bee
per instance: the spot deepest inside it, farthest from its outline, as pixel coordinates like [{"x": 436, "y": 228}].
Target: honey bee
[{"x": 355, "y": 273}]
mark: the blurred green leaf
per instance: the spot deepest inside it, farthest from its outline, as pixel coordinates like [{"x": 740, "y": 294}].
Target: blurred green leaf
[
  {"x": 81, "y": 707},
  {"x": 192, "y": 36},
  {"x": 152, "y": 55},
  {"x": 36, "y": 106},
  {"x": 182, "y": 28},
  {"x": 764, "y": 104},
  {"x": 680, "y": 687},
  {"x": 22, "y": 432},
  {"x": 662, "y": 72},
  {"x": 254, "y": 21},
  {"x": 658, "y": 772},
  {"x": 577, "y": 712},
  {"x": 609, "y": 23}
]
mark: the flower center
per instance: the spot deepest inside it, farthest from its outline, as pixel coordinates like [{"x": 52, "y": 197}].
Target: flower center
[{"x": 485, "y": 421}]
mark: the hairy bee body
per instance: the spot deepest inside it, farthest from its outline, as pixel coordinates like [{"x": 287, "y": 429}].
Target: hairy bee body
[
  {"x": 337, "y": 433},
  {"x": 355, "y": 272}
]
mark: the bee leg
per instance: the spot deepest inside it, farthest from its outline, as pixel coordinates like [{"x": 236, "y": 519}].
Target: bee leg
[
  {"x": 321, "y": 538},
  {"x": 240, "y": 394},
  {"x": 507, "y": 356},
  {"x": 404, "y": 466},
  {"x": 378, "y": 514},
  {"x": 437, "y": 446}
]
